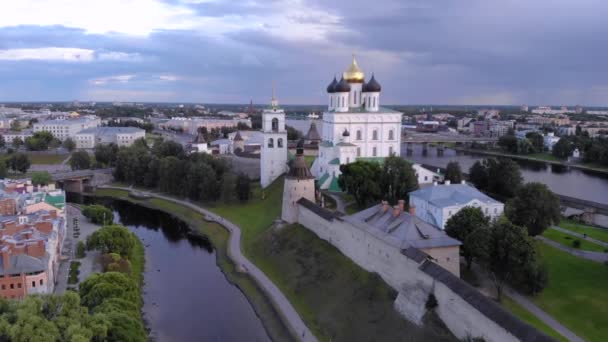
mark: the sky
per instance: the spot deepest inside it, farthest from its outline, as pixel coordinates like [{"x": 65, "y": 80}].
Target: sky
[{"x": 477, "y": 52}]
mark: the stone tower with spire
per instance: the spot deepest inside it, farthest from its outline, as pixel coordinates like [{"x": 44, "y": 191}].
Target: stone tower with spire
[
  {"x": 273, "y": 161},
  {"x": 299, "y": 183}
]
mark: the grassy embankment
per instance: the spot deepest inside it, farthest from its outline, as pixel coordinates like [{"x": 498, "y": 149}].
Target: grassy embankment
[
  {"x": 576, "y": 294},
  {"x": 568, "y": 240},
  {"x": 529, "y": 318},
  {"x": 36, "y": 158},
  {"x": 593, "y": 232},
  {"x": 219, "y": 238}
]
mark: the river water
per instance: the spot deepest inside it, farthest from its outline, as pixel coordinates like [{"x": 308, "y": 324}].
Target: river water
[
  {"x": 588, "y": 185},
  {"x": 186, "y": 296}
]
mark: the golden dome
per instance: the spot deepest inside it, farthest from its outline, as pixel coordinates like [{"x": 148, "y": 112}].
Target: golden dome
[{"x": 354, "y": 74}]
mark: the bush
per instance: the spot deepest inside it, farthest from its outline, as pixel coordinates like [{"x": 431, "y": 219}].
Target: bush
[
  {"x": 576, "y": 243},
  {"x": 80, "y": 250},
  {"x": 112, "y": 239},
  {"x": 98, "y": 214},
  {"x": 74, "y": 272}
]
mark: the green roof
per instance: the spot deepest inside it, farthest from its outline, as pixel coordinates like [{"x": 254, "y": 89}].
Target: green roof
[
  {"x": 335, "y": 161},
  {"x": 323, "y": 179},
  {"x": 56, "y": 201},
  {"x": 345, "y": 144},
  {"x": 333, "y": 186},
  {"x": 326, "y": 144}
]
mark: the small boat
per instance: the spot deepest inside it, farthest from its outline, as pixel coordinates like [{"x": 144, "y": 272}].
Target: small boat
[{"x": 313, "y": 116}]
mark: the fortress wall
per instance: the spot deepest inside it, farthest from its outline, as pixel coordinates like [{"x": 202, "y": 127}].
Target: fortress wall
[{"x": 462, "y": 308}]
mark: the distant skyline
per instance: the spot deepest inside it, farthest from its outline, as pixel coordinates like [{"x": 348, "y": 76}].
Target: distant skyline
[{"x": 210, "y": 51}]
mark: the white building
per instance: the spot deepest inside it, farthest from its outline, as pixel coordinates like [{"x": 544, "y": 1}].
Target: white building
[
  {"x": 121, "y": 136},
  {"x": 67, "y": 128},
  {"x": 273, "y": 161},
  {"x": 425, "y": 176},
  {"x": 299, "y": 183},
  {"x": 549, "y": 140},
  {"x": 436, "y": 204},
  {"x": 354, "y": 126}
]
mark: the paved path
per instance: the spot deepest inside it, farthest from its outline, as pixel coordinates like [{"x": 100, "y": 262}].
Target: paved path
[
  {"x": 340, "y": 204},
  {"x": 283, "y": 306},
  {"x": 586, "y": 237},
  {"x": 593, "y": 256},
  {"x": 489, "y": 290}
]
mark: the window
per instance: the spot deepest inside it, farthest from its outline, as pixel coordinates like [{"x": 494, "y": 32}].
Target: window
[
  {"x": 374, "y": 151},
  {"x": 495, "y": 210},
  {"x": 41, "y": 282},
  {"x": 19, "y": 285},
  {"x": 391, "y": 135},
  {"x": 33, "y": 284},
  {"x": 358, "y": 151},
  {"x": 358, "y": 134},
  {"x": 12, "y": 286},
  {"x": 270, "y": 142},
  {"x": 486, "y": 210},
  {"x": 355, "y": 98},
  {"x": 390, "y": 151},
  {"x": 331, "y": 101},
  {"x": 375, "y": 135},
  {"x": 3, "y": 287},
  {"x": 426, "y": 178},
  {"x": 280, "y": 142},
  {"x": 347, "y": 160},
  {"x": 275, "y": 125}
]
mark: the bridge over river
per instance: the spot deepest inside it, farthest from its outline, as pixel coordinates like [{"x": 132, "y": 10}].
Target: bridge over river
[{"x": 77, "y": 180}]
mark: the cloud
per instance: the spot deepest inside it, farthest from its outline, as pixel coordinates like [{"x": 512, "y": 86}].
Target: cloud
[
  {"x": 66, "y": 55},
  {"x": 112, "y": 79}
]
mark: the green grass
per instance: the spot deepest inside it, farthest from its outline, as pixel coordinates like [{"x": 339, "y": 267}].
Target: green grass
[
  {"x": 338, "y": 300},
  {"x": 47, "y": 158},
  {"x": 529, "y": 318},
  {"x": 543, "y": 156},
  {"x": 219, "y": 238},
  {"x": 567, "y": 239},
  {"x": 593, "y": 232},
  {"x": 576, "y": 294}
]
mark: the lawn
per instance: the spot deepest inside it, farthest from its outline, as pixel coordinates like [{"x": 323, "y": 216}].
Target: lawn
[
  {"x": 47, "y": 158},
  {"x": 567, "y": 240},
  {"x": 338, "y": 300},
  {"x": 594, "y": 232},
  {"x": 576, "y": 294},
  {"x": 544, "y": 156},
  {"x": 529, "y": 318}
]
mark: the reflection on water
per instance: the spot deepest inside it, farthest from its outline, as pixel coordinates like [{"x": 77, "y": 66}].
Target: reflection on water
[
  {"x": 589, "y": 185},
  {"x": 186, "y": 296}
]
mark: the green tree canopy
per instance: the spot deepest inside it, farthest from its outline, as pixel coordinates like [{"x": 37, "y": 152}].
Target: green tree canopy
[
  {"x": 534, "y": 207},
  {"x": 69, "y": 144},
  {"x": 397, "y": 179},
  {"x": 537, "y": 141},
  {"x": 469, "y": 226},
  {"x": 39, "y": 141},
  {"x": 106, "y": 154},
  {"x": 478, "y": 175},
  {"x": 243, "y": 187},
  {"x": 501, "y": 177},
  {"x": 17, "y": 142},
  {"x": 453, "y": 173},
  {"x": 359, "y": 180},
  {"x": 41, "y": 178},
  {"x": 508, "y": 143},
  {"x": 80, "y": 160},
  {"x": 98, "y": 214},
  {"x": 19, "y": 162},
  {"x": 112, "y": 239}
]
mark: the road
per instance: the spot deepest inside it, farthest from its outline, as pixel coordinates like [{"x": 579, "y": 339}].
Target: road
[{"x": 281, "y": 303}]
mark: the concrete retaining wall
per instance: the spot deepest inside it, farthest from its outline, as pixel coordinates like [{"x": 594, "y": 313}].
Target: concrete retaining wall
[{"x": 248, "y": 166}]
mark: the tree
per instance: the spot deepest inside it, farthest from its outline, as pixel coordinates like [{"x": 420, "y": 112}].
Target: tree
[
  {"x": 478, "y": 175},
  {"x": 563, "y": 148},
  {"x": 504, "y": 177},
  {"x": 15, "y": 126},
  {"x": 69, "y": 144},
  {"x": 172, "y": 175},
  {"x": 19, "y": 162},
  {"x": 2, "y": 141},
  {"x": 292, "y": 133},
  {"x": 80, "y": 160},
  {"x": 534, "y": 207},
  {"x": 469, "y": 226},
  {"x": 358, "y": 179},
  {"x": 112, "y": 239},
  {"x": 509, "y": 250},
  {"x": 17, "y": 142},
  {"x": 453, "y": 172},
  {"x": 168, "y": 149},
  {"x": 98, "y": 214},
  {"x": 508, "y": 143},
  {"x": 39, "y": 141},
  {"x": 243, "y": 187},
  {"x": 41, "y": 178},
  {"x": 106, "y": 154},
  {"x": 397, "y": 179},
  {"x": 3, "y": 169},
  {"x": 537, "y": 141}
]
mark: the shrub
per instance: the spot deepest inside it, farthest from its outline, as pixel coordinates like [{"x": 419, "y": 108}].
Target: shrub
[
  {"x": 576, "y": 243},
  {"x": 98, "y": 214},
  {"x": 80, "y": 250}
]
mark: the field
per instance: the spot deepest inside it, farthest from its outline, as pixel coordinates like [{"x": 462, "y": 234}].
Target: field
[
  {"x": 567, "y": 240},
  {"x": 596, "y": 233},
  {"x": 36, "y": 158},
  {"x": 576, "y": 294},
  {"x": 529, "y": 318}
]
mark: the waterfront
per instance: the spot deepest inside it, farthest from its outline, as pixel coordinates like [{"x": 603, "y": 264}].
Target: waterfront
[
  {"x": 186, "y": 296},
  {"x": 587, "y": 185}
]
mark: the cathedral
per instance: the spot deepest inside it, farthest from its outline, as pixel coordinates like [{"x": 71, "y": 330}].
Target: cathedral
[{"x": 355, "y": 126}]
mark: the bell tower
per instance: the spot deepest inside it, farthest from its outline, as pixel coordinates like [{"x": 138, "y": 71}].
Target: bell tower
[{"x": 273, "y": 161}]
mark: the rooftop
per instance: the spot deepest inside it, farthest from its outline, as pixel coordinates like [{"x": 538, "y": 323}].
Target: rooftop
[
  {"x": 381, "y": 110},
  {"x": 110, "y": 130},
  {"x": 452, "y": 194}
]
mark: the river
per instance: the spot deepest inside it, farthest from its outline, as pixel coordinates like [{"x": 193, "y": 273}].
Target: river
[
  {"x": 588, "y": 185},
  {"x": 186, "y": 295}
]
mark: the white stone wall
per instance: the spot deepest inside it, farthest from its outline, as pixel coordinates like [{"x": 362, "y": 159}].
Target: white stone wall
[
  {"x": 403, "y": 274},
  {"x": 273, "y": 159},
  {"x": 293, "y": 190}
]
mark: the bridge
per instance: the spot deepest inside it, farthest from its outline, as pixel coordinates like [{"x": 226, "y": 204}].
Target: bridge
[
  {"x": 76, "y": 181},
  {"x": 440, "y": 139}
]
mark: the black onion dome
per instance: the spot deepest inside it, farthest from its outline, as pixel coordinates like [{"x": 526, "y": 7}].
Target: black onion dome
[
  {"x": 298, "y": 168},
  {"x": 342, "y": 86},
  {"x": 345, "y": 133},
  {"x": 372, "y": 86},
  {"x": 332, "y": 85}
]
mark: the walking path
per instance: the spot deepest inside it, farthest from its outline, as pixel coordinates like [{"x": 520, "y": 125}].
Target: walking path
[
  {"x": 582, "y": 236},
  {"x": 281, "y": 303},
  {"x": 340, "y": 204},
  {"x": 593, "y": 256},
  {"x": 488, "y": 289}
]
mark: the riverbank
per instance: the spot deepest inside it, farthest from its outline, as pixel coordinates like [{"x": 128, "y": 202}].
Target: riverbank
[
  {"x": 219, "y": 238},
  {"x": 535, "y": 157}
]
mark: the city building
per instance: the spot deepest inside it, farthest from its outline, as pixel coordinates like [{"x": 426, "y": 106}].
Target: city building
[
  {"x": 549, "y": 140},
  {"x": 354, "y": 126},
  {"x": 488, "y": 113},
  {"x": 273, "y": 161},
  {"x": 566, "y": 130},
  {"x": 121, "y": 136},
  {"x": 436, "y": 204},
  {"x": 558, "y": 120},
  {"x": 191, "y": 125},
  {"x": 549, "y": 110},
  {"x": 597, "y": 112},
  {"x": 10, "y": 136},
  {"x": 426, "y": 176},
  {"x": 67, "y": 128}
]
